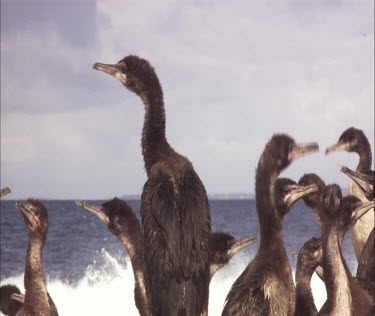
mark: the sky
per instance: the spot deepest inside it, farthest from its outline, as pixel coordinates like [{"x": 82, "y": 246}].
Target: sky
[{"x": 233, "y": 74}]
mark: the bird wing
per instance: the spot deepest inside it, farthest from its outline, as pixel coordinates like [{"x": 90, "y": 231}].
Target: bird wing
[
  {"x": 176, "y": 227},
  {"x": 365, "y": 270},
  {"x": 247, "y": 296}
]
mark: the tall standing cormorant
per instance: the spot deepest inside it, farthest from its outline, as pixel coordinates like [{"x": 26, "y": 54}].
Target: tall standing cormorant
[
  {"x": 366, "y": 264},
  {"x": 122, "y": 222},
  {"x": 266, "y": 286},
  {"x": 351, "y": 210},
  {"x": 175, "y": 211},
  {"x": 309, "y": 258},
  {"x": 344, "y": 294},
  {"x": 354, "y": 140},
  {"x": 36, "y": 301},
  {"x": 4, "y": 191}
]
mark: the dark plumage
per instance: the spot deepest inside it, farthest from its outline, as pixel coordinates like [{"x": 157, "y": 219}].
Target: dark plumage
[
  {"x": 4, "y": 191},
  {"x": 175, "y": 211},
  {"x": 366, "y": 264},
  {"x": 122, "y": 222},
  {"x": 314, "y": 200},
  {"x": 309, "y": 258},
  {"x": 353, "y": 209},
  {"x": 37, "y": 301},
  {"x": 120, "y": 219},
  {"x": 364, "y": 180},
  {"x": 266, "y": 286},
  {"x": 354, "y": 140},
  {"x": 9, "y": 306},
  {"x": 344, "y": 294},
  {"x": 223, "y": 247},
  {"x": 287, "y": 192}
]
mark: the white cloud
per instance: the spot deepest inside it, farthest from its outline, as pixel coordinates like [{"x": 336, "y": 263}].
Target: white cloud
[{"x": 232, "y": 76}]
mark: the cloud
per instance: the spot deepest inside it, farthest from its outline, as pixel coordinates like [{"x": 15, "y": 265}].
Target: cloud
[
  {"x": 71, "y": 154},
  {"x": 232, "y": 76}
]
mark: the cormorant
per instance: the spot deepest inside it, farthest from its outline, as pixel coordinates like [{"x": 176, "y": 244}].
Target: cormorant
[
  {"x": 309, "y": 258},
  {"x": 354, "y": 140},
  {"x": 352, "y": 209},
  {"x": 364, "y": 180},
  {"x": 313, "y": 200},
  {"x": 4, "y": 191},
  {"x": 9, "y": 306},
  {"x": 223, "y": 248},
  {"x": 120, "y": 219},
  {"x": 366, "y": 264},
  {"x": 266, "y": 286},
  {"x": 287, "y": 192},
  {"x": 318, "y": 270},
  {"x": 122, "y": 222},
  {"x": 36, "y": 299},
  {"x": 344, "y": 295},
  {"x": 174, "y": 206}
]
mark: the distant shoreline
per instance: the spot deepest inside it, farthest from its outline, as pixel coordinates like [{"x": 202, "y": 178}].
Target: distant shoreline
[{"x": 216, "y": 196}]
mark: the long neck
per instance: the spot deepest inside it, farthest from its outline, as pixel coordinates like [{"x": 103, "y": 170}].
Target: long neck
[
  {"x": 34, "y": 279},
  {"x": 154, "y": 142},
  {"x": 304, "y": 299},
  {"x": 270, "y": 223},
  {"x": 365, "y": 156},
  {"x": 335, "y": 272},
  {"x": 135, "y": 248}
]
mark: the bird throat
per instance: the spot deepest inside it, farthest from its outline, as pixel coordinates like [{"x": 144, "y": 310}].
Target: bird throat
[{"x": 154, "y": 143}]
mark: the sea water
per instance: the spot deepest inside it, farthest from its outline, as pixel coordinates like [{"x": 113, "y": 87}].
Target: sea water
[{"x": 89, "y": 272}]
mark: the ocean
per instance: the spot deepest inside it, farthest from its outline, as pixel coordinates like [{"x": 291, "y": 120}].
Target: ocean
[{"x": 89, "y": 272}]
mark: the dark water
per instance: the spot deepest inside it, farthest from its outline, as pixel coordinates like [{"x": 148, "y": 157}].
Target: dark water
[
  {"x": 76, "y": 237},
  {"x": 89, "y": 272}
]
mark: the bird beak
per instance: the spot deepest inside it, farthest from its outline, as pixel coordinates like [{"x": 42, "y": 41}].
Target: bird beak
[
  {"x": 5, "y": 191},
  {"x": 295, "y": 254},
  {"x": 364, "y": 181},
  {"x": 239, "y": 244},
  {"x": 337, "y": 147},
  {"x": 299, "y": 191},
  {"x": 18, "y": 297},
  {"x": 362, "y": 209},
  {"x": 29, "y": 217},
  {"x": 97, "y": 210},
  {"x": 113, "y": 70},
  {"x": 300, "y": 150}
]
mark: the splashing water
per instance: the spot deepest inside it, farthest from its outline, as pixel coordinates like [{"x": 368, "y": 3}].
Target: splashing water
[{"x": 108, "y": 288}]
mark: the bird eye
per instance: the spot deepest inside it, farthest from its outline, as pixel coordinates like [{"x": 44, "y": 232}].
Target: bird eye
[{"x": 286, "y": 190}]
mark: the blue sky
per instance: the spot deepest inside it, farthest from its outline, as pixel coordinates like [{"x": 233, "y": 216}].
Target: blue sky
[{"x": 232, "y": 76}]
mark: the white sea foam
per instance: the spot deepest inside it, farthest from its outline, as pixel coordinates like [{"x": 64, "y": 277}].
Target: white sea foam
[{"x": 109, "y": 289}]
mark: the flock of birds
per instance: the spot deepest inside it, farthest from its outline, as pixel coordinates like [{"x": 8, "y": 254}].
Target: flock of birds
[{"x": 174, "y": 253}]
